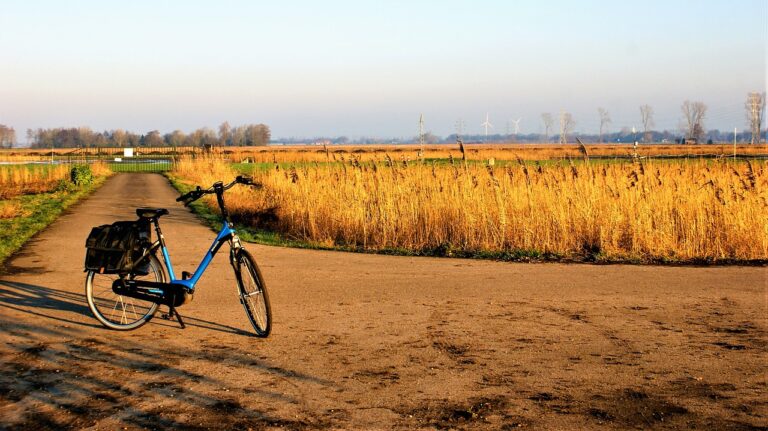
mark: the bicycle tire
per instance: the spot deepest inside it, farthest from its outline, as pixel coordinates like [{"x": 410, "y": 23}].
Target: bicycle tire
[
  {"x": 127, "y": 313},
  {"x": 253, "y": 293}
]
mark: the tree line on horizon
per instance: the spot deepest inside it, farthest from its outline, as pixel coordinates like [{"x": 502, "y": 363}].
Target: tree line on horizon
[
  {"x": 556, "y": 129},
  {"x": 78, "y": 137}
]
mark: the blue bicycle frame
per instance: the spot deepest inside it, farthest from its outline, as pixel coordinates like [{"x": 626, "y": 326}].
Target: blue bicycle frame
[{"x": 225, "y": 234}]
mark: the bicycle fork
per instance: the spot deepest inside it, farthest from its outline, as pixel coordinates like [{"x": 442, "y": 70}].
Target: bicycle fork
[{"x": 234, "y": 249}]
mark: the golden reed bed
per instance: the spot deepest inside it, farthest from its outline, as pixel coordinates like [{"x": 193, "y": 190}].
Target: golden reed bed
[
  {"x": 18, "y": 180},
  {"x": 650, "y": 211},
  {"x": 331, "y": 153},
  {"x": 320, "y": 153}
]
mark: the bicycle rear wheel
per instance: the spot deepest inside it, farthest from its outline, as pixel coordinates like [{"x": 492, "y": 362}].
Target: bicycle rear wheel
[
  {"x": 253, "y": 293},
  {"x": 116, "y": 311}
]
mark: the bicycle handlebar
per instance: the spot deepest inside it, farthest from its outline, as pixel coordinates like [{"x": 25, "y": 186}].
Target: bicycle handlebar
[{"x": 198, "y": 192}]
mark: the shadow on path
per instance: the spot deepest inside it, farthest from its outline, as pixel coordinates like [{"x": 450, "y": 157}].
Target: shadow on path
[{"x": 47, "y": 302}]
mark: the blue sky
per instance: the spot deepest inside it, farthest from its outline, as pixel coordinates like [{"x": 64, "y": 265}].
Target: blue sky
[{"x": 363, "y": 68}]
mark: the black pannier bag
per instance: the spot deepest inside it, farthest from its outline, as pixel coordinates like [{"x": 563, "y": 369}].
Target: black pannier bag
[{"x": 115, "y": 248}]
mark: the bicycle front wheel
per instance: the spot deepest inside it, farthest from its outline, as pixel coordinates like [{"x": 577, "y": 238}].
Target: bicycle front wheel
[
  {"x": 253, "y": 293},
  {"x": 117, "y": 311}
]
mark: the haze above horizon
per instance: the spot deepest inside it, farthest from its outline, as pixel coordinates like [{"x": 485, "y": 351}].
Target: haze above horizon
[{"x": 361, "y": 69}]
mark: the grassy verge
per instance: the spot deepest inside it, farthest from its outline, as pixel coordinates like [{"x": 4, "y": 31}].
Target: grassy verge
[{"x": 34, "y": 213}]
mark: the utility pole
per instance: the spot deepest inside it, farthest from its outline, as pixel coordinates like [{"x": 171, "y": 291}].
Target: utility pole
[
  {"x": 755, "y": 112},
  {"x": 459, "y": 128},
  {"x": 421, "y": 131}
]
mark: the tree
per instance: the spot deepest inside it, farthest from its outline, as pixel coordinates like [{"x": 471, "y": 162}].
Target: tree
[
  {"x": 133, "y": 140},
  {"x": 119, "y": 137},
  {"x": 153, "y": 139},
  {"x": 548, "y": 123},
  {"x": 202, "y": 137},
  {"x": 566, "y": 124},
  {"x": 605, "y": 120},
  {"x": 225, "y": 134},
  {"x": 238, "y": 136},
  {"x": 257, "y": 134},
  {"x": 7, "y": 136},
  {"x": 694, "y": 113},
  {"x": 646, "y": 115},
  {"x": 430, "y": 138},
  {"x": 84, "y": 137},
  {"x": 755, "y": 107},
  {"x": 175, "y": 138}
]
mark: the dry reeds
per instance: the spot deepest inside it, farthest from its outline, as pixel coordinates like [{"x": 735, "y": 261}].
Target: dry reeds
[
  {"x": 18, "y": 180},
  {"x": 477, "y": 152},
  {"x": 11, "y": 209},
  {"x": 648, "y": 211}
]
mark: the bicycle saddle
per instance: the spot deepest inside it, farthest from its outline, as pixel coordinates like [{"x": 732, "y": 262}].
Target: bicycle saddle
[{"x": 151, "y": 213}]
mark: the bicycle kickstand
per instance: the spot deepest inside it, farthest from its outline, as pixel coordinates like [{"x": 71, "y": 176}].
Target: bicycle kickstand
[{"x": 171, "y": 312}]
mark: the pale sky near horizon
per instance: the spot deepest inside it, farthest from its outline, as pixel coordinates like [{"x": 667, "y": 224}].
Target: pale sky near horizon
[{"x": 364, "y": 68}]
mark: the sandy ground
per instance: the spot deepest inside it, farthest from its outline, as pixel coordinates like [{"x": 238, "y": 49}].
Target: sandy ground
[{"x": 381, "y": 342}]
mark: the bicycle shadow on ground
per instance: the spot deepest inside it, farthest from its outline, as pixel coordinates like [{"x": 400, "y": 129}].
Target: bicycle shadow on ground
[
  {"x": 54, "y": 304},
  {"x": 44, "y": 302}
]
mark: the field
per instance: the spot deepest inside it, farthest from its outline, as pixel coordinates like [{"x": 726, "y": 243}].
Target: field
[
  {"x": 32, "y": 196},
  {"x": 473, "y": 151},
  {"x": 480, "y": 152},
  {"x": 17, "y": 180},
  {"x": 499, "y": 205}
]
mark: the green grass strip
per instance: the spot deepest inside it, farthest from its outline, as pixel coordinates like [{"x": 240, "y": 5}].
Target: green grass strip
[{"x": 39, "y": 211}]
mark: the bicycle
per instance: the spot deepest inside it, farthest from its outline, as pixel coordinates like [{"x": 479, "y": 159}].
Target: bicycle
[{"x": 129, "y": 300}]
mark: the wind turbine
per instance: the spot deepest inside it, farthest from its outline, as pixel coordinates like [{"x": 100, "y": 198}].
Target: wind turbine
[
  {"x": 486, "y": 124},
  {"x": 517, "y": 125}
]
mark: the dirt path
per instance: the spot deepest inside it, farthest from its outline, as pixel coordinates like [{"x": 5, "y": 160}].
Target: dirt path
[{"x": 366, "y": 341}]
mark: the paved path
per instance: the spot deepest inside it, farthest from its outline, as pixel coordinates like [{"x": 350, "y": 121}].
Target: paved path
[{"x": 367, "y": 341}]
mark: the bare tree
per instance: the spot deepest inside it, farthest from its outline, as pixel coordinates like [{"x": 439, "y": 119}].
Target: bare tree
[
  {"x": 31, "y": 137},
  {"x": 238, "y": 136},
  {"x": 225, "y": 134},
  {"x": 257, "y": 134},
  {"x": 119, "y": 137},
  {"x": 202, "y": 137},
  {"x": 646, "y": 115},
  {"x": 153, "y": 139},
  {"x": 755, "y": 107},
  {"x": 694, "y": 113},
  {"x": 176, "y": 138},
  {"x": 605, "y": 120},
  {"x": 7, "y": 136},
  {"x": 566, "y": 124},
  {"x": 548, "y": 123}
]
